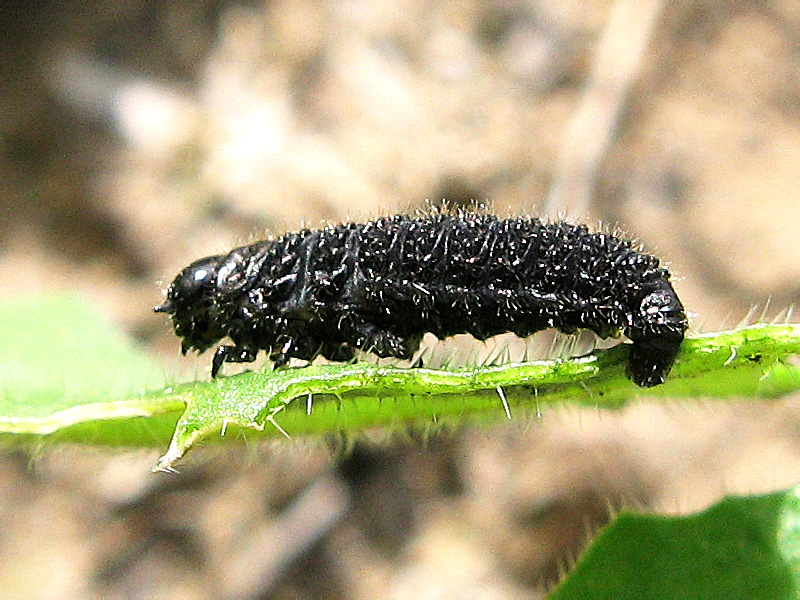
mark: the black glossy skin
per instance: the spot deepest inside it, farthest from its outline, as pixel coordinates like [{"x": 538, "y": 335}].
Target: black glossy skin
[{"x": 379, "y": 286}]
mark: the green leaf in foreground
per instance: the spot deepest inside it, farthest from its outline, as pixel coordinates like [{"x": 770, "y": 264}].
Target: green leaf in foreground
[
  {"x": 728, "y": 551},
  {"x": 70, "y": 377}
]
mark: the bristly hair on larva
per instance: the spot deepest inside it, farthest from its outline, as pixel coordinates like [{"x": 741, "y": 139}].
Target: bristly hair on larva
[{"x": 380, "y": 286}]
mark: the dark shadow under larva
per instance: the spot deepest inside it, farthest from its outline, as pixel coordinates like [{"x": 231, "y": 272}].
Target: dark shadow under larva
[{"x": 379, "y": 286}]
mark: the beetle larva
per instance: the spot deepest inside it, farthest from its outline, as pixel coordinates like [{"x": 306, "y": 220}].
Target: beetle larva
[{"x": 379, "y": 286}]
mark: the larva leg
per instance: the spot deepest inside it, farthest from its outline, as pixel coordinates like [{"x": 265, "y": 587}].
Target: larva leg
[
  {"x": 302, "y": 347},
  {"x": 338, "y": 352},
  {"x": 383, "y": 343},
  {"x": 231, "y": 354}
]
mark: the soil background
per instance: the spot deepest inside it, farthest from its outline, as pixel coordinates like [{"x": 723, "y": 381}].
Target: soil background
[{"x": 138, "y": 136}]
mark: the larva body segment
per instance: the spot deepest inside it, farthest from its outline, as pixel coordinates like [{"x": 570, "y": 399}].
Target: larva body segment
[{"x": 379, "y": 286}]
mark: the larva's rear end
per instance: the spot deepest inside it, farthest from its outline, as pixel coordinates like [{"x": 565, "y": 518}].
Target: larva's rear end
[{"x": 657, "y": 329}]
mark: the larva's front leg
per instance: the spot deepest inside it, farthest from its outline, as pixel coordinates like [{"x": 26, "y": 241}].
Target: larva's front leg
[
  {"x": 298, "y": 345},
  {"x": 231, "y": 354}
]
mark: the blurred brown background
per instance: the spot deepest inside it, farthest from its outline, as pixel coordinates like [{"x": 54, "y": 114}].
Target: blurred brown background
[{"x": 138, "y": 136}]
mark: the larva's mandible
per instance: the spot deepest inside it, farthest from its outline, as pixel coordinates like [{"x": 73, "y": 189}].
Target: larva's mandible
[{"x": 379, "y": 286}]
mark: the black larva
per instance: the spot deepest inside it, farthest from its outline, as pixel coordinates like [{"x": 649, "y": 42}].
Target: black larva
[{"x": 379, "y": 286}]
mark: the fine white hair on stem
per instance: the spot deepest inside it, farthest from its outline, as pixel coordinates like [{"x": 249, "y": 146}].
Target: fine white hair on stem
[{"x": 504, "y": 400}]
